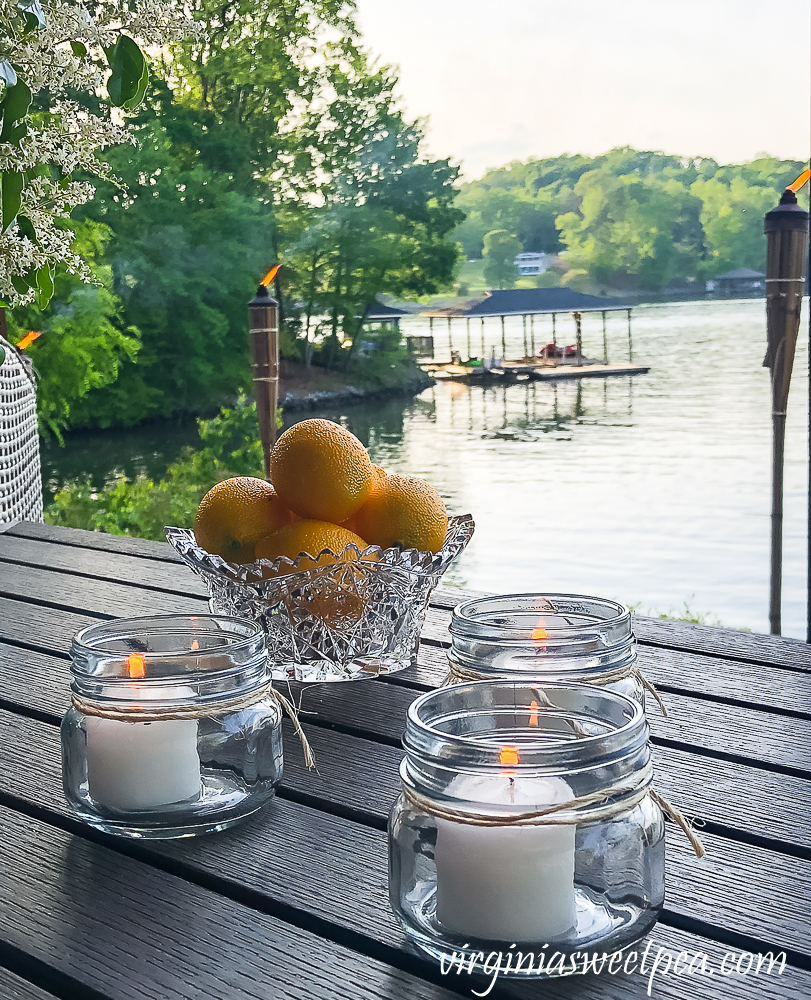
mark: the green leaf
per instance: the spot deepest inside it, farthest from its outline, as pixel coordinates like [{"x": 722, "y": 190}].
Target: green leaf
[
  {"x": 21, "y": 285},
  {"x": 2, "y": 354},
  {"x": 26, "y": 227},
  {"x": 15, "y": 105},
  {"x": 128, "y": 67},
  {"x": 78, "y": 49},
  {"x": 45, "y": 286},
  {"x": 143, "y": 83},
  {"x": 11, "y": 196}
]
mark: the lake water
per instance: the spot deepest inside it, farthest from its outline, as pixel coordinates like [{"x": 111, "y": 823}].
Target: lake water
[{"x": 654, "y": 490}]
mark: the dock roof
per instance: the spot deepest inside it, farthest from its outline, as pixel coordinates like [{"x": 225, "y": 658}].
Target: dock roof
[
  {"x": 379, "y": 311},
  {"x": 526, "y": 301}
]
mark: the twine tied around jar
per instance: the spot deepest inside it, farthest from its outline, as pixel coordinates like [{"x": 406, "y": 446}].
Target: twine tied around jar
[
  {"x": 201, "y": 710},
  {"x": 457, "y": 674},
  {"x": 611, "y": 801}
]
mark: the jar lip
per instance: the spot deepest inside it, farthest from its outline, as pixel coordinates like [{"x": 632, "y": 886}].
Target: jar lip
[
  {"x": 100, "y": 649},
  {"x": 463, "y": 614},
  {"x": 583, "y": 747},
  {"x": 244, "y": 630}
]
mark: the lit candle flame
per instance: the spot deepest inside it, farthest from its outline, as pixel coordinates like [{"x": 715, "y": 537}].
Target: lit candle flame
[
  {"x": 195, "y": 644},
  {"x": 136, "y": 665},
  {"x": 538, "y": 634},
  {"x": 533, "y": 713},
  {"x": 28, "y": 339},
  {"x": 801, "y": 181},
  {"x": 508, "y": 755},
  {"x": 270, "y": 275}
]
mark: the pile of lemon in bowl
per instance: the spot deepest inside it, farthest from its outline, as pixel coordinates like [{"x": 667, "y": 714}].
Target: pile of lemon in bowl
[{"x": 324, "y": 494}]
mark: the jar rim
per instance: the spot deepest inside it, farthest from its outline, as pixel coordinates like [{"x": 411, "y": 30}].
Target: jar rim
[
  {"x": 463, "y": 613},
  {"x": 244, "y": 630},
  {"x": 422, "y": 733},
  {"x": 102, "y": 657}
]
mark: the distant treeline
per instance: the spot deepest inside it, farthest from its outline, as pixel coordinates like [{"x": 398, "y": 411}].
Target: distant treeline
[{"x": 629, "y": 219}]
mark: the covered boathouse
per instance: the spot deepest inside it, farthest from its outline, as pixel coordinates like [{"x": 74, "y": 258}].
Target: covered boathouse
[{"x": 529, "y": 303}]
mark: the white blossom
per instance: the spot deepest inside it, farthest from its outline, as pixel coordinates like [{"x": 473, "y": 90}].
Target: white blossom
[{"x": 69, "y": 137}]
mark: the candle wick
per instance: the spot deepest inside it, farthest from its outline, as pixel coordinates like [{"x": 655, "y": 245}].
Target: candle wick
[{"x": 512, "y": 790}]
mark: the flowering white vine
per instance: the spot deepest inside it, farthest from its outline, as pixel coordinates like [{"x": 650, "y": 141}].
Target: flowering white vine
[{"x": 52, "y": 47}]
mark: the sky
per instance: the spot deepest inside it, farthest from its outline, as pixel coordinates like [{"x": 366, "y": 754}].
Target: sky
[{"x": 510, "y": 80}]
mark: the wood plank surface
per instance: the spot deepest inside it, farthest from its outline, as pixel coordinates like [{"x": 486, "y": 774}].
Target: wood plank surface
[
  {"x": 735, "y": 753},
  {"x": 31, "y": 746},
  {"x": 755, "y": 647},
  {"x": 33, "y": 681},
  {"x": 117, "y": 567},
  {"x": 109, "y": 923},
  {"x": 758, "y": 802},
  {"x": 725, "y": 680},
  {"x": 81, "y": 539},
  {"x": 13, "y": 987},
  {"x": 710, "y": 677},
  {"x": 703, "y": 639},
  {"x": 255, "y": 858}
]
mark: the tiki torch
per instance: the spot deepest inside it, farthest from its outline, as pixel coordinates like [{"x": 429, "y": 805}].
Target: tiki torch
[
  {"x": 786, "y": 228},
  {"x": 263, "y": 319}
]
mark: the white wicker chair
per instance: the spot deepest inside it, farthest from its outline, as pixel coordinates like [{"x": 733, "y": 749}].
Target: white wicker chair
[{"x": 20, "y": 471}]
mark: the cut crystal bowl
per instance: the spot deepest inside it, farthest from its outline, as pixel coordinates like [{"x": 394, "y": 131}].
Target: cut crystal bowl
[{"x": 340, "y": 621}]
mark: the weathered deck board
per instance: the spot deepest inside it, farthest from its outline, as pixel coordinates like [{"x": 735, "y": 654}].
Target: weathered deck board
[
  {"x": 12, "y": 987},
  {"x": 727, "y": 889},
  {"x": 739, "y": 703},
  {"x": 727, "y": 681},
  {"x": 109, "y": 923},
  {"x": 704, "y": 639},
  {"x": 30, "y": 680},
  {"x": 131, "y": 590}
]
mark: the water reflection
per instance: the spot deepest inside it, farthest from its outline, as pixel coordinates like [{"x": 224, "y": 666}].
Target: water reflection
[{"x": 652, "y": 490}]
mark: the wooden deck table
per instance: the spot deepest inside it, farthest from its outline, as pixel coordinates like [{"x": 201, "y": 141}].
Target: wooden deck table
[{"x": 293, "y": 903}]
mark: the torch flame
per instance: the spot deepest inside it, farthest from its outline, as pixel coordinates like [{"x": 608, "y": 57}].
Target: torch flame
[
  {"x": 136, "y": 665},
  {"x": 29, "y": 338},
  {"x": 270, "y": 276},
  {"x": 801, "y": 181}
]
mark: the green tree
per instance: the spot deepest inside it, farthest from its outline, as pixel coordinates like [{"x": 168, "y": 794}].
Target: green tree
[
  {"x": 82, "y": 343},
  {"x": 732, "y": 217},
  {"x": 276, "y": 141},
  {"x": 379, "y": 215},
  {"x": 500, "y": 250},
  {"x": 631, "y": 230}
]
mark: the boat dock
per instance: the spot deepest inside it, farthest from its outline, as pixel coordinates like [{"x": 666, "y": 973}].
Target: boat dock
[
  {"x": 533, "y": 369},
  {"x": 545, "y": 362}
]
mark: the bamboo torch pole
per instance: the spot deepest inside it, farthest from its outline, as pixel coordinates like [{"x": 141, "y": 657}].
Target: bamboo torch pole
[
  {"x": 263, "y": 312},
  {"x": 786, "y": 228}
]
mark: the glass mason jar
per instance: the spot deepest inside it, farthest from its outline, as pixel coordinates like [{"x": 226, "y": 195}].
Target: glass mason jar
[
  {"x": 556, "y": 637},
  {"x": 526, "y": 828},
  {"x": 173, "y": 730}
]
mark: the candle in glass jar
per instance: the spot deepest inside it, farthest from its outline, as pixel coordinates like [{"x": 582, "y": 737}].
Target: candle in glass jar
[
  {"x": 506, "y": 883},
  {"x": 142, "y": 765}
]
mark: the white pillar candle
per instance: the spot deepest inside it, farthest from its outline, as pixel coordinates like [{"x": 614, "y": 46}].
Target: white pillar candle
[
  {"x": 506, "y": 883},
  {"x": 142, "y": 765}
]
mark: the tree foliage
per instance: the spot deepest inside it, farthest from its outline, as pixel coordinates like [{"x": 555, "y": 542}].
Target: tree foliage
[
  {"x": 271, "y": 139},
  {"x": 500, "y": 249},
  {"x": 631, "y": 219}
]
